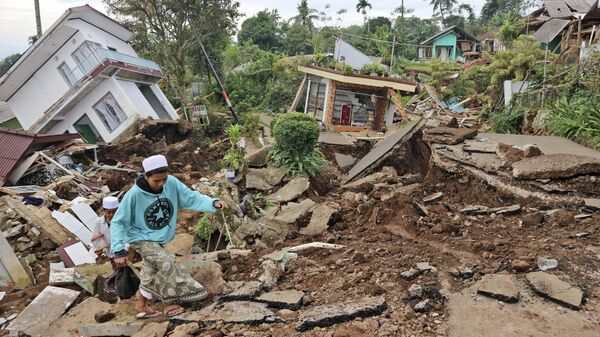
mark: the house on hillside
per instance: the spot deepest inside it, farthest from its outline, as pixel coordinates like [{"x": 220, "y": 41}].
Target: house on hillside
[
  {"x": 83, "y": 76},
  {"x": 451, "y": 44},
  {"x": 561, "y": 24},
  {"x": 351, "y": 102},
  {"x": 490, "y": 42}
]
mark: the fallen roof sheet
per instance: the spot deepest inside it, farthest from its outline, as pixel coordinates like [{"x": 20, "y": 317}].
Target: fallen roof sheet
[
  {"x": 550, "y": 29},
  {"x": 381, "y": 149},
  {"x": 14, "y": 145},
  {"x": 581, "y": 6},
  {"x": 557, "y": 9}
]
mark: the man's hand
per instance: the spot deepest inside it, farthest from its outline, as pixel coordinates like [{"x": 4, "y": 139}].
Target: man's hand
[
  {"x": 221, "y": 204},
  {"x": 121, "y": 261}
]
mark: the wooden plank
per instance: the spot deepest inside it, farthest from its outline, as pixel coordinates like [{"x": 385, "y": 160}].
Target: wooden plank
[
  {"x": 380, "y": 104},
  {"x": 69, "y": 172},
  {"x": 347, "y": 128},
  {"x": 299, "y": 93},
  {"x": 398, "y": 104}
]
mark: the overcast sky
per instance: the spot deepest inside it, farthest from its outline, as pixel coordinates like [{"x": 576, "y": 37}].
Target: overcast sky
[{"x": 17, "y": 17}]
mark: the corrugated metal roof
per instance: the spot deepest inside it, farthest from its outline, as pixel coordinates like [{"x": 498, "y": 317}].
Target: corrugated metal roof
[
  {"x": 14, "y": 145},
  {"x": 550, "y": 29}
]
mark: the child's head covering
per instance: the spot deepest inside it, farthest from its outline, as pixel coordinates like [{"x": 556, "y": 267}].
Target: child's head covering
[{"x": 110, "y": 203}]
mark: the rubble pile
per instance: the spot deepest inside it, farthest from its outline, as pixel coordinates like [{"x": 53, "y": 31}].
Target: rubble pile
[{"x": 440, "y": 219}]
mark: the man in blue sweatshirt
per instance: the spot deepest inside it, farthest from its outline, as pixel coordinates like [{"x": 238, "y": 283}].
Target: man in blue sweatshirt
[{"x": 146, "y": 220}]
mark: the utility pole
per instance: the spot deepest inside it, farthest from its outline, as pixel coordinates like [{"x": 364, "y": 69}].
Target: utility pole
[
  {"x": 392, "y": 57},
  {"x": 214, "y": 72},
  {"x": 38, "y": 19}
]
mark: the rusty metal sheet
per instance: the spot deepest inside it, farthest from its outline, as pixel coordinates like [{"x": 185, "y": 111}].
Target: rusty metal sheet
[{"x": 557, "y": 9}]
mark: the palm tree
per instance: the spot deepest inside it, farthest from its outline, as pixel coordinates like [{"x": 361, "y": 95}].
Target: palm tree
[
  {"x": 442, "y": 6},
  {"x": 361, "y": 7},
  {"x": 306, "y": 15}
]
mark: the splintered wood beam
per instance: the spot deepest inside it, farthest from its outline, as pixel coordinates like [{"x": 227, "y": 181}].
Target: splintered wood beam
[
  {"x": 394, "y": 95},
  {"x": 299, "y": 93}
]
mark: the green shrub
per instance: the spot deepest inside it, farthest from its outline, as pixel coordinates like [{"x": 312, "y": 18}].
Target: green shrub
[
  {"x": 296, "y": 137},
  {"x": 507, "y": 121},
  {"x": 234, "y": 156},
  {"x": 576, "y": 117},
  {"x": 251, "y": 127}
]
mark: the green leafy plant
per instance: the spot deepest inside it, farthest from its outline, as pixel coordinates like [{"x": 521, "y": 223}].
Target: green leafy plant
[
  {"x": 296, "y": 136},
  {"x": 234, "y": 156},
  {"x": 251, "y": 128},
  {"x": 507, "y": 121},
  {"x": 576, "y": 118}
]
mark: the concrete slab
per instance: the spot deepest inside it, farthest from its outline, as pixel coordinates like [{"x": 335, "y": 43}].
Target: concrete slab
[
  {"x": 291, "y": 190},
  {"x": 499, "y": 286},
  {"x": 46, "y": 308},
  {"x": 385, "y": 146},
  {"x": 554, "y": 289},
  {"x": 335, "y": 138},
  {"x": 12, "y": 265},
  {"x": 330, "y": 314},
  {"x": 282, "y": 299},
  {"x": 548, "y": 144},
  {"x": 237, "y": 312},
  {"x": 181, "y": 244}
]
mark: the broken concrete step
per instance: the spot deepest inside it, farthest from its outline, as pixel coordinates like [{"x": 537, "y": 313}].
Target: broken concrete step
[
  {"x": 554, "y": 289},
  {"x": 330, "y": 314},
  {"x": 110, "y": 329},
  {"x": 236, "y": 312},
  {"x": 283, "y": 299},
  {"x": 555, "y": 166},
  {"x": 508, "y": 210},
  {"x": 153, "y": 330},
  {"x": 475, "y": 210},
  {"x": 291, "y": 190},
  {"x": 246, "y": 291},
  {"x": 499, "y": 286}
]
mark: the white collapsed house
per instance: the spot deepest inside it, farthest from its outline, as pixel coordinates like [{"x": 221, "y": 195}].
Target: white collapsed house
[{"x": 83, "y": 76}]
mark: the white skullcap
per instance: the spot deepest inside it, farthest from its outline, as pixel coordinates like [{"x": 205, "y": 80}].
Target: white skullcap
[
  {"x": 110, "y": 203},
  {"x": 154, "y": 162}
]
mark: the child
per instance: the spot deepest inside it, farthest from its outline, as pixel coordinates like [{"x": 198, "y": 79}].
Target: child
[{"x": 101, "y": 237}]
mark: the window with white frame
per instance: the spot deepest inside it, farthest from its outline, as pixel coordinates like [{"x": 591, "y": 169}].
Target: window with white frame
[
  {"x": 67, "y": 74},
  {"x": 110, "y": 112},
  {"x": 85, "y": 56}
]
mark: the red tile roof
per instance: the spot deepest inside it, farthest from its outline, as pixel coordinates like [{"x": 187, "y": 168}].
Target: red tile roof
[{"x": 14, "y": 145}]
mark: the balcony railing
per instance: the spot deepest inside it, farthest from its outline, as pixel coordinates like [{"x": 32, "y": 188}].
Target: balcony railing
[{"x": 97, "y": 56}]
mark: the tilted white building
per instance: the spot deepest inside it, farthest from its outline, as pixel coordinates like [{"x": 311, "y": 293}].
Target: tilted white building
[{"x": 83, "y": 76}]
